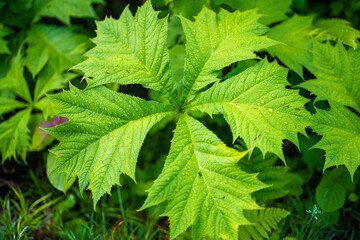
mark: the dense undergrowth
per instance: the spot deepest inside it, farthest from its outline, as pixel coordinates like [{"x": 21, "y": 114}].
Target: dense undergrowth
[{"x": 297, "y": 192}]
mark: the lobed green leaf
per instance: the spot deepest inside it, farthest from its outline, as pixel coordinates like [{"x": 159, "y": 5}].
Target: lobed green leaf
[
  {"x": 340, "y": 129},
  {"x": 215, "y": 41},
  {"x": 103, "y": 137},
  {"x": 203, "y": 185},
  {"x": 131, "y": 50},
  {"x": 258, "y": 107}
]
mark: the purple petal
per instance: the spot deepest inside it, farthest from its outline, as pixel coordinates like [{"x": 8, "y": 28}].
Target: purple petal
[{"x": 58, "y": 120}]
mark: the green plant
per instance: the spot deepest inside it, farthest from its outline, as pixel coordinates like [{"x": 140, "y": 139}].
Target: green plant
[{"x": 266, "y": 81}]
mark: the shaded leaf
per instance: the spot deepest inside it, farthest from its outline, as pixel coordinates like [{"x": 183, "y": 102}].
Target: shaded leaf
[
  {"x": 14, "y": 135},
  {"x": 333, "y": 29},
  {"x": 265, "y": 221},
  {"x": 338, "y": 74},
  {"x": 272, "y": 10},
  {"x": 295, "y": 34},
  {"x": 65, "y": 9},
  {"x": 47, "y": 45}
]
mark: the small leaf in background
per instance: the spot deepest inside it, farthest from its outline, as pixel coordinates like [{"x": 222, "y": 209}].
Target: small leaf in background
[
  {"x": 4, "y": 31},
  {"x": 337, "y": 72},
  {"x": 272, "y": 10},
  {"x": 296, "y": 50},
  {"x": 333, "y": 29},
  {"x": 65, "y": 9},
  {"x": 330, "y": 196},
  {"x": 15, "y": 80},
  {"x": 14, "y": 135},
  {"x": 60, "y": 181},
  {"x": 47, "y": 46},
  {"x": 264, "y": 220}
]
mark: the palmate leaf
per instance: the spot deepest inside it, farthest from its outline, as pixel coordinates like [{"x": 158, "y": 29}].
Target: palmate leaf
[
  {"x": 214, "y": 41},
  {"x": 65, "y": 9},
  {"x": 338, "y": 74},
  {"x": 201, "y": 180},
  {"x": 131, "y": 50},
  {"x": 340, "y": 129},
  {"x": 202, "y": 184},
  {"x": 103, "y": 137},
  {"x": 258, "y": 107}
]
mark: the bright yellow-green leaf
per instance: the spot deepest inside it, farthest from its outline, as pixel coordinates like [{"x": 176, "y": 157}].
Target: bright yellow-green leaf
[
  {"x": 258, "y": 107},
  {"x": 131, "y": 50},
  {"x": 340, "y": 129},
  {"x": 103, "y": 136},
  {"x": 203, "y": 185},
  {"x": 215, "y": 41}
]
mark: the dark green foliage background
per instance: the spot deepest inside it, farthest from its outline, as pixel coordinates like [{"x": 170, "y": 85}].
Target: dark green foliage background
[{"x": 71, "y": 216}]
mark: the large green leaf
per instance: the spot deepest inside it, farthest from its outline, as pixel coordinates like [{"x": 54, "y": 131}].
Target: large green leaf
[
  {"x": 14, "y": 135},
  {"x": 338, "y": 74},
  {"x": 258, "y": 107},
  {"x": 215, "y": 41},
  {"x": 340, "y": 129},
  {"x": 60, "y": 47},
  {"x": 131, "y": 50},
  {"x": 65, "y": 9},
  {"x": 295, "y": 34},
  {"x": 203, "y": 185},
  {"x": 103, "y": 137}
]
